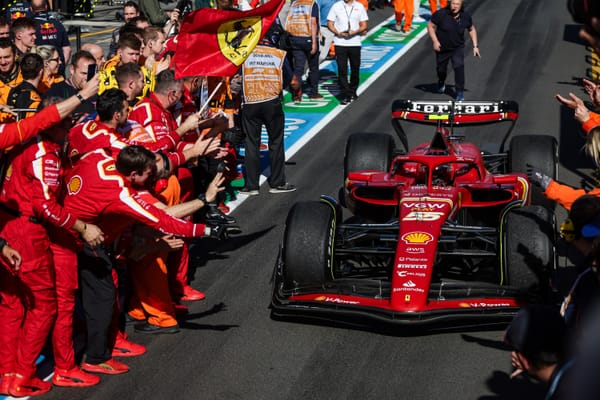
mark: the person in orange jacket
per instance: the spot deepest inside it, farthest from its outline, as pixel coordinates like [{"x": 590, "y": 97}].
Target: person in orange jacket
[
  {"x": 583, "y": 115},
  {"x": 434, "y": 6},
  {"x": 10, "y": 74},
  {"x": 148, "y": 261},
  {"x": 566, "y": 195},
  {"x": 406, "y": 8}
]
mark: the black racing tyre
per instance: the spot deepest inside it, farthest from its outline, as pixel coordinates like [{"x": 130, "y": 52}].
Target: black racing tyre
[
  {"x": 371, "y": 151},
  {"x": 528, "y": 248},
  {"x": 368, "y": 151},
  {"x": 308, "y": 245},
  {"x": 540, "y": 151}
]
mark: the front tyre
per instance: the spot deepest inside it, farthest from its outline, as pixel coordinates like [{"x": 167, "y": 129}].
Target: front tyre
[
  {"x": 308, "y": 245},
  {"x": 528, "y": 248}
]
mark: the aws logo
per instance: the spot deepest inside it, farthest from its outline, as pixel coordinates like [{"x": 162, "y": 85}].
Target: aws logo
[{"x": 237, "y": 38}]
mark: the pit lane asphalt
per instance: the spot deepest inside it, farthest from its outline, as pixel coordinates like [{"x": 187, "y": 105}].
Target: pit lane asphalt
[{"x": 229, "y": 348}]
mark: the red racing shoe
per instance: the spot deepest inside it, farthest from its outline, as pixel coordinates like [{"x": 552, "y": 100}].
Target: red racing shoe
[
  {"x": 125, "y": 348},
  {"x": 74, "y": 377},
  {"x": 25, "y": 387},
  {"x": 191, "y": 294},
  {"x": 109, "y": 367}
]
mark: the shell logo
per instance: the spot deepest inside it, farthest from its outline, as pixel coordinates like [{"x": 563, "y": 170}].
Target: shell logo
[
  {"x": 74, "y": 184},
  {"x": 464, "y": 305},
  {"x": 417, "y": 238},
  {"x": 9, "y": 171},
  {"x": 320, "y": 298}
]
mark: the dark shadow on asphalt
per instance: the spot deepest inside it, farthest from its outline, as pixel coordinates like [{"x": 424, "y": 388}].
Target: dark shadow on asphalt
[
  {"x": 518, "y": 388},
  {"x": 433, "y": 89},
  {"x": 215, "y": 309},
  {"x": 367, "y": 325},
  {"x": 205, "y": 327},
  {"x": 207, "y": 249},
  {"x": 492, "y": 344}
]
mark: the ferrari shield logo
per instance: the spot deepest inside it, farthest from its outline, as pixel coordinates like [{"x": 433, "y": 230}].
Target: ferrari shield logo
[{"x": 237, "y": 38}]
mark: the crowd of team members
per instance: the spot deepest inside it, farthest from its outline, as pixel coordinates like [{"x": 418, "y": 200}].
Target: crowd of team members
[
  {"x": 106, "y": 168},
  {"x": 558, "y": 346},
  {"x": 88, "y": 154}
]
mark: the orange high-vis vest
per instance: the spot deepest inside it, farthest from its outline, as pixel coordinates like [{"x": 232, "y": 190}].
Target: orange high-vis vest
[
  {"x": 263, "y": 74},
  {"x": 298, "y": 19}
]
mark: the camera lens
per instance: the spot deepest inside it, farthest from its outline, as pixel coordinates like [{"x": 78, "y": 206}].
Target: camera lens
[{"x": 582, "y": 11}]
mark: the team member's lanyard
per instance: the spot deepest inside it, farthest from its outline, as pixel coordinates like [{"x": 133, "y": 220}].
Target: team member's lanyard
[{"x": 348, "y": 14}]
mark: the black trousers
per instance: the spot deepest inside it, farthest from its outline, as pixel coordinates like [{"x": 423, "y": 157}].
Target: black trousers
[
  {"x": 254, "y": 116},
  {"x": 98, "y": 296},
  {"x": 457, "y": 56},
  {"x": 300, "y": 56},
  {"x": 343, "y": 54}
]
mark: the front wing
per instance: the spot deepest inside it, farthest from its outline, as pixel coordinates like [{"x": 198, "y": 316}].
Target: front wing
[{"x": 449, "y": 301}]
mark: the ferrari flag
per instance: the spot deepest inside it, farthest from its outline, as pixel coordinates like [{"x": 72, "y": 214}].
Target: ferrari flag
[{"x": 217, "y": 42}]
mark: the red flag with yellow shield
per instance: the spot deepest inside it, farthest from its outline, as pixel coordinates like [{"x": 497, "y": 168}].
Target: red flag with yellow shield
[{"x": 217, "y": 42}]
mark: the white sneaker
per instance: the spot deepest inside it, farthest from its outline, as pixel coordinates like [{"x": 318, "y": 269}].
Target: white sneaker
[
  {"x": 248, "y": 192},
  {"x": 285, "y": 188}
]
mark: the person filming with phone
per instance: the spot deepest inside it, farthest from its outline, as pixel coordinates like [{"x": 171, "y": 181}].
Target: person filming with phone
[{"x": 82, "y": 62}]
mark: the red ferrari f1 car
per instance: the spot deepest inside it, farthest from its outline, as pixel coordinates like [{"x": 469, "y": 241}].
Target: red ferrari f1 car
[{"x": 440, "y": 232}]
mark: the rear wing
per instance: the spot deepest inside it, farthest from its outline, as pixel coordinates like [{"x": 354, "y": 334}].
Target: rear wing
[{"x": 450, "y": 113}]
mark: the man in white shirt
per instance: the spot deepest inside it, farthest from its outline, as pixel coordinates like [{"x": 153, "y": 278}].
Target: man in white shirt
[{"x": 347, "y": 19}]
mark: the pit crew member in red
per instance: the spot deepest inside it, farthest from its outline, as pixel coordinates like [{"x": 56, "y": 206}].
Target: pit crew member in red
[
  {"x": 104, "y": 192},
  {"x": 155, "y": 115},
  {"x": 154, "y": 111},
  {"x": 102, "y": 133},
  {"x": 28, "y": 307}
]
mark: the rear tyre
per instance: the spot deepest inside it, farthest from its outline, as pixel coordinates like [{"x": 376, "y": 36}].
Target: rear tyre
[
  {"x": 529, "y": 256},
  {"x": 540, "y": 151},
  {"x": 308, "y": 245},
  {"x": 368, "y": 151}
]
